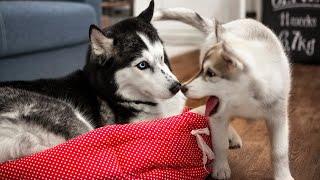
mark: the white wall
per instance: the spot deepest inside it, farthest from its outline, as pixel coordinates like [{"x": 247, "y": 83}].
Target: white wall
[
  {"x": 223, "y": 10},
  {"x": 178, "y": 34}
]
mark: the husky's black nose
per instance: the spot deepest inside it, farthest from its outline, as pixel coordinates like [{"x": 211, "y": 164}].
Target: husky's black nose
[
  {"x": 175, "y": 87},
  {"x": 184, "y": 89}
]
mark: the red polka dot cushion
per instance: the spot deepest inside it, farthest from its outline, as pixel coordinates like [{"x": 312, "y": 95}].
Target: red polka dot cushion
[{"x": 160, "y": 149}]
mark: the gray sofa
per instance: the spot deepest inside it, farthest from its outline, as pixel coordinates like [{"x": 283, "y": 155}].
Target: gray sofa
[{"x": 42, "y": 39}]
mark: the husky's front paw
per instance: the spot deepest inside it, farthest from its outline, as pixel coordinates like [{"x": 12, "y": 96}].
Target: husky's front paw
[{"x": 221, "y": 170}]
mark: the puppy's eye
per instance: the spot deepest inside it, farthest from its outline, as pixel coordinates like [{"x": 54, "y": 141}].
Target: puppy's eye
[
  {"x": 210, "y": 73},
  {"x": 143, "y": 65}
]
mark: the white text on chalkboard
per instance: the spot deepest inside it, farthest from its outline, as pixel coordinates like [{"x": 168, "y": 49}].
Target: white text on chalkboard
[
  {"x": 298, "y": 42},
  {"x": 278, "y": 5},
  {"x": 307, "y": 21}
]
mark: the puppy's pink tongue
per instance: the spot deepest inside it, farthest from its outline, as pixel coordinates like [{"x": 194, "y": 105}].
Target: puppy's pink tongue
[{"x": 211, "y": 105}]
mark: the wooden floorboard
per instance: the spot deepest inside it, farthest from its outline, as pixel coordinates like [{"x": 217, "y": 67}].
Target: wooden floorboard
[{"x": 253, "y": 160}]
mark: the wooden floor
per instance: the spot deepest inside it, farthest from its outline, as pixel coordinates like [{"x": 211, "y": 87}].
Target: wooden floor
[{"x": 253, "y": 160}]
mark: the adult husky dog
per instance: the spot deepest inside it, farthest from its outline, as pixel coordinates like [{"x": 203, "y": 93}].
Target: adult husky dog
[
  {"x": 245, "y": 72},
  {"x": 127, "y": 69}
]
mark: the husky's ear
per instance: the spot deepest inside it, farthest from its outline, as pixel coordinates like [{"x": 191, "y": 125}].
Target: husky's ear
[
  {"x": 100, "y": 44},
  {"x": 147, "y": 14},
  {"x": 232, "y": 60}
]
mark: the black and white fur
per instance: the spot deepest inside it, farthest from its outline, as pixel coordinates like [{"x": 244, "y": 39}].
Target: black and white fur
[
  {"x": 127, "y": 69},
  {"x": 243, "y": 64}
]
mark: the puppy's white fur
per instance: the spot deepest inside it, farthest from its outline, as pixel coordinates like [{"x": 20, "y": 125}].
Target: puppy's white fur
[{"x": 259, "y": 86}]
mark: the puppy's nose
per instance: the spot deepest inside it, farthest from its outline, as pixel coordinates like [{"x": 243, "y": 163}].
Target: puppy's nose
[
  {"x": 175, "y": 87},
  {"x": 184, "y": 89}
]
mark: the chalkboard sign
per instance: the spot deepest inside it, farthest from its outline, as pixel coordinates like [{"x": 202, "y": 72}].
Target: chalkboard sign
[{"x": 296, "y": 22}]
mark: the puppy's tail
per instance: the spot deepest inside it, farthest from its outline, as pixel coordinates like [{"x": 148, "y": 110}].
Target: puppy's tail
[{"x": 187, "y": 16}]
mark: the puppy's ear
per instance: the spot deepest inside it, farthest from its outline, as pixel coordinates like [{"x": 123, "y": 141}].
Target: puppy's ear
[
  {"x": 100, "y": 44},
  {"x": 147, "y": 14},
  {"x": 232, "y": 60},
  {"x": 218, "y": 29}
]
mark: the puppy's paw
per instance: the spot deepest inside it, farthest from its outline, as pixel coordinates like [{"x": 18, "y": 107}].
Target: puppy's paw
[
  {"x": 284, "y": 178},
  {"x": 221, "y": 170},
  {"x": 235, "y": 142}
]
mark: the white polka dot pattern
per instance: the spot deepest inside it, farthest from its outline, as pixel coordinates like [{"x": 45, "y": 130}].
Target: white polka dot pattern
[{"x": 160, "y": 149}]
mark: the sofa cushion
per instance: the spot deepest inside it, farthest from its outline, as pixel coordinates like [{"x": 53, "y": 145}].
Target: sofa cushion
[
  {"x": 32, "y": 26},
  {"x": 43, "y": 64}
]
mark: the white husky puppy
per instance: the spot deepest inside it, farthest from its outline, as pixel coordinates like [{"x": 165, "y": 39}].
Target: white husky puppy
[{"x": 246, "y": 73}]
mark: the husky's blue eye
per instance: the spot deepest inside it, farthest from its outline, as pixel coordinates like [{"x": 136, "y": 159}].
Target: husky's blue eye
[{"x": 143, "y": 65}]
